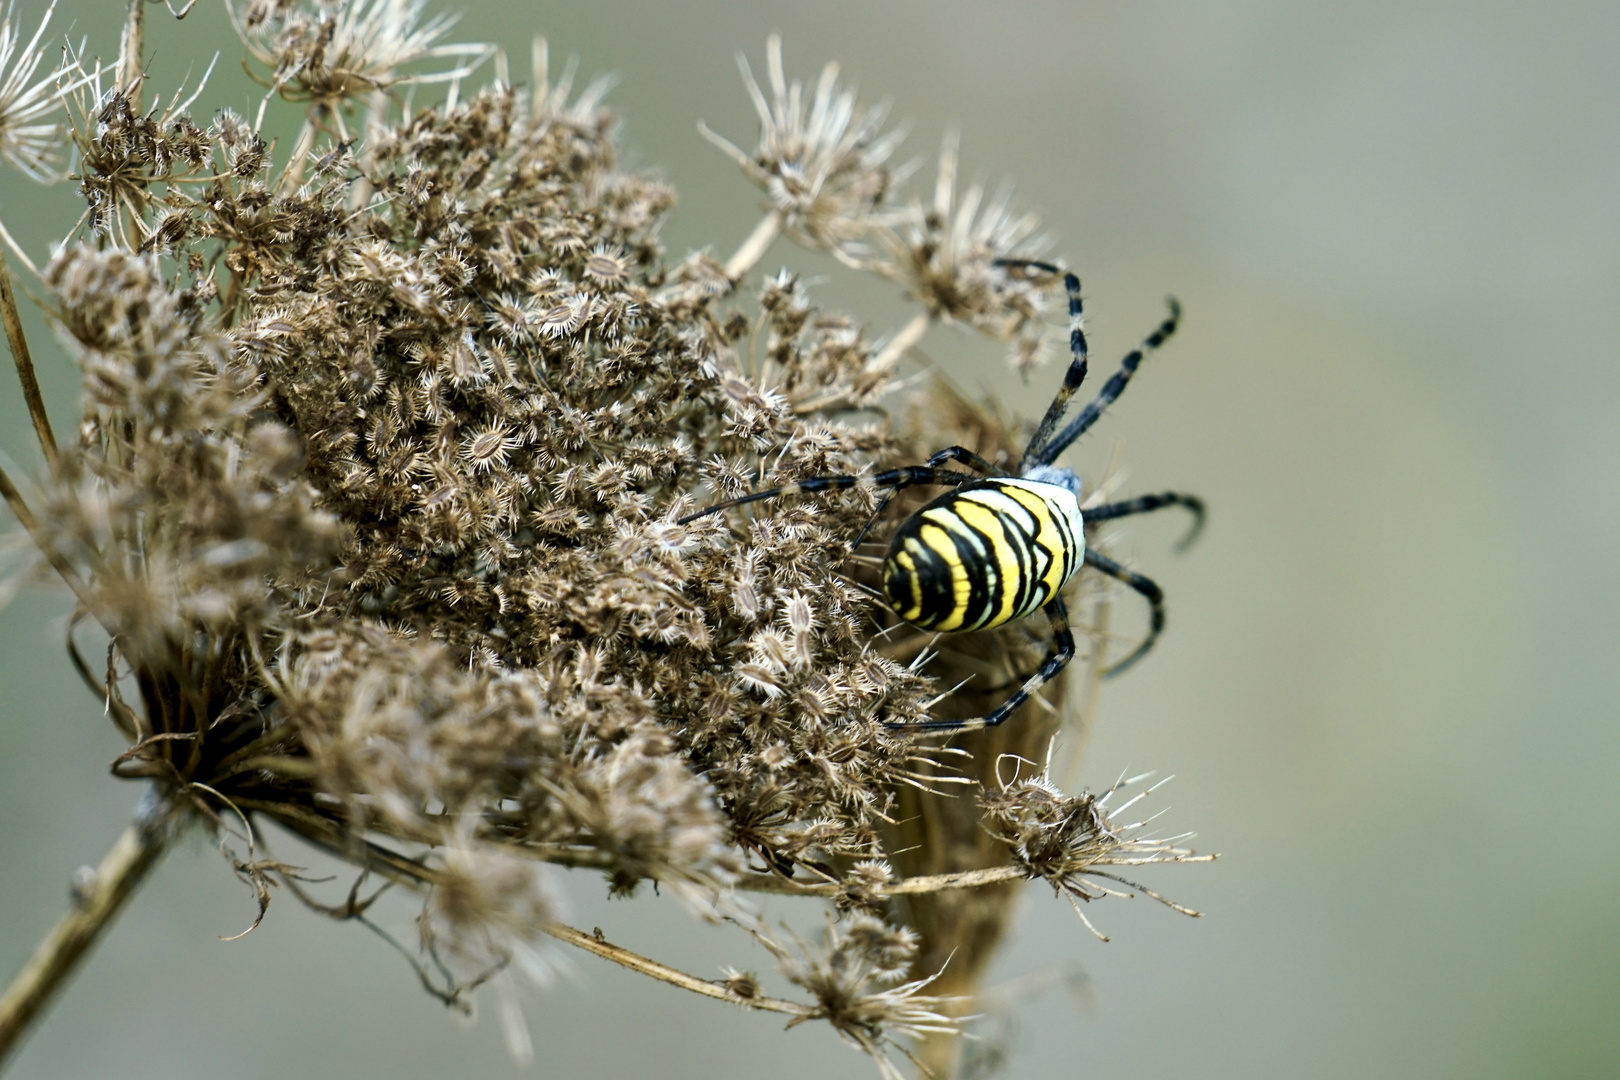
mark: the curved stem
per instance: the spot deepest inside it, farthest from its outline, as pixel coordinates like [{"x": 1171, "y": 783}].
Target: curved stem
[
  {"x": 328, "y": 835},
  {"x": 293, "y": 175},
  {"x": 96, "y": 903},
  {"x": 25, "y": 366}
]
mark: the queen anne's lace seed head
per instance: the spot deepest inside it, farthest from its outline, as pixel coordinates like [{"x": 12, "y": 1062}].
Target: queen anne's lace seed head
[
  {"x": 330, "y": 51},
  {"x": 946, "y": 251},
  {"x": 822, "y": 158},
  {"x": 1078, "y": 843},
  {"x": 379, "y": 493},
  {"x": 30, "y": 139}
]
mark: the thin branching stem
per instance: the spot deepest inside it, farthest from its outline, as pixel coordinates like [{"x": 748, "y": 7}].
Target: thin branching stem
[
  {"x": 967, "y": 879},
  {"x": 25, "y": 366},
  {"x": 297, "y": 818},
  {"x": 330, "y": 835},
  {"x": 895, "y": 349},
  {"x": 96, "y": 902},
  {"x": 663, "y": 972},
  {"x": 753, "y": 249}
]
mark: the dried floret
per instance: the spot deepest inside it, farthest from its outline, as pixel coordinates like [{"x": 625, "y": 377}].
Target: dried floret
[
  {"x": 331, "y": 50},
  {"x": 30, "y": 139},
  {"x": 822, "y": 161},
  {"x": 946, "y": 253},
  {"x": 854, "y": 976},
  {"x": 1076, "y": 842}
]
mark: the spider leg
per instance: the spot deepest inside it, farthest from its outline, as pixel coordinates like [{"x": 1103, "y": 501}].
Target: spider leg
[
  {"x": 950, "y": 453},
  {"x": 1149, "y": 590},
  {"x": 1071, "y": 378},
  {"x": 1047, "y": 453},
  {"x": 1029, "y": 264},
  {"x": 1146, "y": 503},
  {"x": 883, "y": 504},
  {"x": 892, "y": 478},
  {"x": 1062, "y": 652},
  {"x": 966, "y": 457}
]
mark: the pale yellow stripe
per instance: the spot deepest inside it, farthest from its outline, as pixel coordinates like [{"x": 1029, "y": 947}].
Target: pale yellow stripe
[
  {"x": 905, "y": 560},
  {"x": 988, "y": 521},
  {"x": 939, "y": 541}
]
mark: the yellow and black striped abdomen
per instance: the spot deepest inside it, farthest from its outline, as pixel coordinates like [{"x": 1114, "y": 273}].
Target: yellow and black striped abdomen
[{"x": 985, "y": 554}]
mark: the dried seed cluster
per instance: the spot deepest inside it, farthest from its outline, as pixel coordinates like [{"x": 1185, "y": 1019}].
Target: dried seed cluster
[
  {"x": 1077, "y": 842},
  {"x": 376, "y": 487}
]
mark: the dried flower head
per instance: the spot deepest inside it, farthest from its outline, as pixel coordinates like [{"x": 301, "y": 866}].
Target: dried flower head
[
  {"x": 377, "y": 508},
  {"x": 484, "y": 903},
  {"x": 822, "y": 162},
  {"x": 29, "y": 139},
  {"x": 946, "y": 254},
  {"x": 330, "y": 51},
  {"x": 1075, "y": 842},
  {"x": 855, "y": 978}
]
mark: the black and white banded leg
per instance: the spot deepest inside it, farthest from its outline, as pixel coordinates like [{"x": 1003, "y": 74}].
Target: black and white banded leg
[
  {"x": 950, "y": 453},
  {"x": 1147, "y": 503},
  {"x": 1073, "y": 377},
  {"x": 1062, "y": 652},
  {"x": 1150, "y": 591},
  {"x": 1046, "y": 452}
]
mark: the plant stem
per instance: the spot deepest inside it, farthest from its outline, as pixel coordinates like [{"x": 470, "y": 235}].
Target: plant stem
[
  {"x": 328, "y": 835},
  {"x": 753, "y": 249},
  {"x": 293, "y": 175},
  {"x": 130, "y": 48},
  {"x": 95, "y": 906},
  {"x": 644, "y": 965},
  {"x": 25, "y": 365},
  {"x": 913, "y": 886},
  {"x": 909, "y": 335}
]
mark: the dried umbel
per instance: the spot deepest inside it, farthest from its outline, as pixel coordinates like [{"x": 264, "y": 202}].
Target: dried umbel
[
  {"x": 822, "y": 161},
  {"x": 947, "y": 255},
  {"x": 376, "y": 501},
  {"x": 31, "y": 135},
  {"x": 1077, "y": 842}
]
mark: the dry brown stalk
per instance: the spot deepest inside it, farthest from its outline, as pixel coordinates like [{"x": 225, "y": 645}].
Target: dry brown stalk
[
  {"x": 98, "y": 897},
  {"x": 25, "y": 366}
]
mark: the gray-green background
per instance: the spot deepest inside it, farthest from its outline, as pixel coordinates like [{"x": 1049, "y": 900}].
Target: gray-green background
[{"x": 1387, "y": 691}]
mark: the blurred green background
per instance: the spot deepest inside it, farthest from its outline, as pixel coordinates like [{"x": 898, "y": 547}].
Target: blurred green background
[{"x": 1387, "y": 691}]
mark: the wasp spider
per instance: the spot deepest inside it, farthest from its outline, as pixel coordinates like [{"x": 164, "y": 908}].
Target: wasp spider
[{"x": 996, "y": 548}]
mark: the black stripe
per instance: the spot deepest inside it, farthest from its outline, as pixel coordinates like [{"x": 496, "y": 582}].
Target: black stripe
[
  {"x": 998, "y": 592},
  {"x": 934, "y": 584},
  {"x": 1041, "y": 559},
  {"x": 1022, "y": 542},
  {"x": 1060, "y": 522},
  {"x": 897, "y": 584},
  {"x": 973, "y": 565},
  {"x": 1018, "y": 539},
  {"x": 1028, "y": 592}
]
